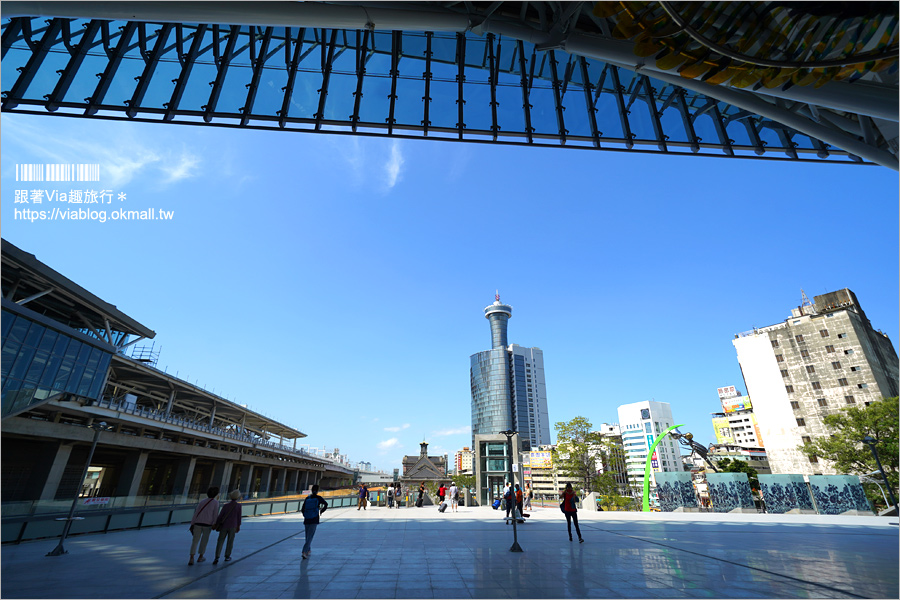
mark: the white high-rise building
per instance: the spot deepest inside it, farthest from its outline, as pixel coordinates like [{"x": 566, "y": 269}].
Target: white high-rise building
[
  {"x": 640, "y": 424},
  {"x": 825, "y": 357}
]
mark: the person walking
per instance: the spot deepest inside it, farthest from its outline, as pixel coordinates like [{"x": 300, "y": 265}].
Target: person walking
[
  {"x": 454, "y": 497},
  {"x": 529, "y": 494},
  {"x": 313, "y": 507},
  {"x": 398, "y": 495},
  {"x": 507, "y": 498},
  {"x": 567, "y": 505},
  {"x": 201, "y": 523},
  {"x": 390, "y": 497},
  {"x": 363, "y": 497},
  {"x": 442, "y": 493},
  {"x": 421, "y": 499},
  {"x": 520, "y": 506},
  {"x": 228, "y": 524}
]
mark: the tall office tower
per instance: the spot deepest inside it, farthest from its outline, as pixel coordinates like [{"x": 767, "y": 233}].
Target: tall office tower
[
  {"x": 489, "y": 372},
  {"x": 825, "y": 357},
  {"x": 508, "y": 393},
  {"x": 529, "y": 396},
  {"x": 736, "y": 424},
  {"x": 640, "y": 424}
]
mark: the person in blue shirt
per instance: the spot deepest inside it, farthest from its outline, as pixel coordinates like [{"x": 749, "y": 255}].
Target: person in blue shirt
[{"x": 313, "y": 507}]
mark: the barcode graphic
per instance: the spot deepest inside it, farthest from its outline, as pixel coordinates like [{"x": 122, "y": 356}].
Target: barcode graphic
[{"x": 58, "y": 172}]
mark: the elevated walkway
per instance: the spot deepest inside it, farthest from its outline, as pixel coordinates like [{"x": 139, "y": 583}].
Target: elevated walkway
[{"x": 419, "y": 553}]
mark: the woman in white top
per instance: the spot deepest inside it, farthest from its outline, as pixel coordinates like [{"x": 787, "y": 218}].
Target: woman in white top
[{"x": 201, "y": 524}]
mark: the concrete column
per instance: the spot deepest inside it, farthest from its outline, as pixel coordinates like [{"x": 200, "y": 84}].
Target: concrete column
[
  {"x": 132, "y": 471},
  {"x": 304, "y": 480},
  {"x": 280, "y": 476},
  {"x": 222, "y": 476},
  {"x": 293, "y": 478},
  {"x": 55, "y": 473},
  {"x": 169, "y": 404},
  {"x": 246, "y": 479},
  {"x": 184, "y": 473},
  {"x": 265, "y": 478}
]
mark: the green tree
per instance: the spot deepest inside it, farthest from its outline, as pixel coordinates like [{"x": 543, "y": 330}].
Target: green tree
[
  {"x": 608, "y": 488},
  {"x": 727, "y": 465},
  {"x": 464, "y": 481},
  {"x": 845, "y": 447},
  {"x": 578, "y": 450}
]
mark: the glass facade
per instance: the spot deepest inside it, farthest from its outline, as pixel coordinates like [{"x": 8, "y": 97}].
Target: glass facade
[
  {"x": 490, "y": 392},
  {"x": 494, "y": 469},
  {"x": 39, "y": 362}
]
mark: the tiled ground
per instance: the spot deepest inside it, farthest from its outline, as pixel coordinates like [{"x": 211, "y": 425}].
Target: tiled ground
[{"x": 418, "y": 553}]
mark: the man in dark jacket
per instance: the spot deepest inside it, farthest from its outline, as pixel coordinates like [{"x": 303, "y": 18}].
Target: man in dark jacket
[{"x": 313, "y": 506}]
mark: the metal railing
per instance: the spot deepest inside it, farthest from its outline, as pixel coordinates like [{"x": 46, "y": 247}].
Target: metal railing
[
  {"x": 40, "y": 519},
  {"x": 197, "y": 425}
]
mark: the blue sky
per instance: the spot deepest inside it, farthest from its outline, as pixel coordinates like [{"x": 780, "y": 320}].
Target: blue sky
[{"x": 337, "y": 284}]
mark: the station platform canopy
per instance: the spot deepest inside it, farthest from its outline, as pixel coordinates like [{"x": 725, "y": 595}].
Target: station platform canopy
[{"x": 795, "y": 81}]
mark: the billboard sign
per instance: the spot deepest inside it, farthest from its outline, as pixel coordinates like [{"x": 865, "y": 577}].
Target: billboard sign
[
  {"x": 731, "y": 405},
  {"x": 728, "y": 391},
  {"x": 541, "y": 460},
  {"x": 723, "y": 430}
]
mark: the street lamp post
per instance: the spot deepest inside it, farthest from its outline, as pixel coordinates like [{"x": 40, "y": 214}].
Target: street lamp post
[
  {"x": 870, "y": 442},
  {"x": 509, "y": 434},
  {"x": 59, "y": 550}
]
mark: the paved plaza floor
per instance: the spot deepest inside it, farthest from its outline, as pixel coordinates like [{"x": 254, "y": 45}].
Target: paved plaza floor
[{"x": 419, "y": 553}]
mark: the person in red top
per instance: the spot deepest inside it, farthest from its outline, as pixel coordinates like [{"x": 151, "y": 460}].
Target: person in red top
[
  {"x": 567, "y": 505},
  {"x": 519, "y": 500},
  {"x": 442, "y": 492}
]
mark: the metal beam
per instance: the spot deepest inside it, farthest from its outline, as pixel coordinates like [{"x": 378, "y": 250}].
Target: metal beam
[
  {"x": 68, "y": 73},
  {"x": 460, "y": 80},
  {"x": 258, "y": 63},
  {"x": 96, "y": 99},
  {"x": 623, "y": 112},
  {"x": 288, "y": 89},
  {"x": 493, "y": 68},
  {"x": 557, "y": 98},
  {"x": 589, "y": 103},
  {"x": 395, "y": 72},
  {"x": 524, "y": 84},
  {"x": 187, "y": 65},
  {"x": 149, "y": 68},
  {"x": 222, "y": 64},
  {"x": 360, "y": 75},
  {"x": 28, "y": 72},
  {"x": 654, "y": 115},
  {"x": 426, "y": 99}
]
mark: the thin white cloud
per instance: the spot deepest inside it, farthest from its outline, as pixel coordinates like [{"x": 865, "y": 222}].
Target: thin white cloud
[
  {"x": 388, "y": 444},
  {"x": 453, "y": 431},
  {"x": 400, "y": 428},
  {"x": 121, "y": 155},
  {"x": 184, "y": 167},
  {"x": 394, "y": 164}
]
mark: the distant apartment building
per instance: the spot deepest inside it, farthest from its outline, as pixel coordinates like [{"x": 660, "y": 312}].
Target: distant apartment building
[
  {"x": 823, "y": 358},
  {"x": 543, "y": 475},
  {"x": 736, "y": 424},
  {"x": 464, "y": 461},
  {"x": 754, "y": 457},
  {"x": 613, "y": 455},
  {"x": 640, "y": 424}
]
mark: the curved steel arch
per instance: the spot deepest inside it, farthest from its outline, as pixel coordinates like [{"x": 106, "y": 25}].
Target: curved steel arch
[{"x": 541, "y": 74}]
